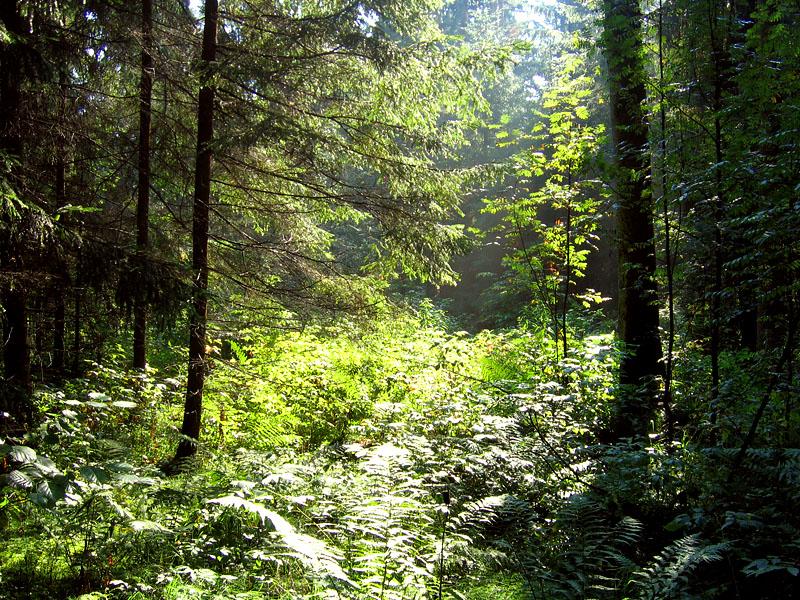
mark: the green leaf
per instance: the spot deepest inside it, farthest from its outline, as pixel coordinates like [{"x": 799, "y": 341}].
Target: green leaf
[
  {"x": 238, "y": 502},
  {"x": 72, "y": 209},
  {"x": 23, "y": 454},
  {"x": 94, "y": 474},
  {"x": 19, "y": 480},
  {"x": 145, "y": 525},
  {"x": 124, "y": 404},
  {"x": 49, "y": 491},
  {"x": 133, "y": 479}
]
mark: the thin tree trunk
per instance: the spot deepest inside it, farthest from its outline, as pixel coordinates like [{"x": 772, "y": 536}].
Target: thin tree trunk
[
  {"x": 59, "y": 313},
  {"x": 640, "y": 365},
  {"x": 786, "y": 355},
  {"x": 143, "y": 203},
  {"x": 59, "y": 327},
  {"x": 36, "y": 318},
  {"x": 76, "y": 320},
  {"x": 59, "y": 317},
  {"x": 717, "y": 213},
  {"x": 200, "y": 222},
  {"x": 567, "y": 267},
  {"x": 669, "y": 263}
]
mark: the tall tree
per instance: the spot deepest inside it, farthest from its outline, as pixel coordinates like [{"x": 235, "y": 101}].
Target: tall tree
[
  {"x": 325, "y": 142},
  {"x": 143, "y": 203},
  {"x": 553, "y": 226},
  {"x": 59, "y": 293},
  {"x": 640, "y": 365},
  {"x": 16, "y": 60},
  {"x": 200, "y": 223}
]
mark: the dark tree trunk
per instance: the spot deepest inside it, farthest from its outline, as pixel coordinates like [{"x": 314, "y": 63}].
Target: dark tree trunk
[
  {"x": 143, "y": 203},
  {"x": 59, "y": 327},
  {"x": 10, "y": 77},
  {"x": 567, "y": 269},
  {"x": 76, "y": 321},
  {"x": 716, "y": 292},
  {"x": 58, "y": 293},
  {"x": 668, "y": 253},
  {"x": 202, "y": 194},
  {"x": 39, "y": 334},
  {"x": 640, "y": 366},
  {"x": 16, "y": 358},
  {"x": 16, "y": 354}
]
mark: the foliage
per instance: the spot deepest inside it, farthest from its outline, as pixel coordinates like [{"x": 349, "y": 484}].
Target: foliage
[
  {"x": 463, "y": 460},
  {"x": 357, "y": 448},
  {"x": 552, "y": 229}
]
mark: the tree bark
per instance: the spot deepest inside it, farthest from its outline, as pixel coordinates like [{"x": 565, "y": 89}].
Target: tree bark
[
  {"x": 202, "y": 193},
  {"x": 77, "y": 318},
  {"x": 16, "y": 360},
  {"x": 640, "y": 364},
  {"x": 60, "y": 277},
  {"x": 59, "y": 328},
  {"x": 143, "y": 200},
  {"x": 567, "y": 268},
  {"x": 16, "y": 353}
]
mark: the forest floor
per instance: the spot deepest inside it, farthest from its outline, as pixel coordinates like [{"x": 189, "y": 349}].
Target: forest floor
[{"x": 389, "y": 462}]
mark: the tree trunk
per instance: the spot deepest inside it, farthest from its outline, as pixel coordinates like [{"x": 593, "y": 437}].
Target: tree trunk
[
  {"x": 567, "y": 268},
  {"x": 59, "y": 327},
  {"x": 16, "y": 357},
  {"x": 60, "y": 277},
  {"x": 640, "y": 366},
  {"x": 77, "y": 318},
  {"x": 669, "y": 261},
  {"x": 143, "y": 203},
  {"x": 202, "y": 193}
]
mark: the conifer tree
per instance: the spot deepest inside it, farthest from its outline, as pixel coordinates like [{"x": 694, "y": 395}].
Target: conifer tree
[
  {"x": 143, "y": 200},
  {"x": 200, "y": 227},
  {"x": 640, "y": 366}
]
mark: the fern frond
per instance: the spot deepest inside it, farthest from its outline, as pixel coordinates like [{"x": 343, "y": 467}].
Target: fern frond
[
  {"x": 479, "y": 513},
  {"x": 585, "y": 553},
  {"x": 667, "y": 574}
]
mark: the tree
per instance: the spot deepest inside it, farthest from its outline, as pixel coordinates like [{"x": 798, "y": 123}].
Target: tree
[
  {"x": 21, "y": 221},
  {"x": 143, "y": 203},
  {"x": 489, "y": 287},
  {"x": 553, "y": 227},
  {"x": 200, "y": 226},
  {"x": 637, "y": 325},
  {"x": 329, "y": 121}
]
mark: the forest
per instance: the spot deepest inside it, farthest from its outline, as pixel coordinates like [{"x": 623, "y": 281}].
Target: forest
[{"x": 399, "y": 299}]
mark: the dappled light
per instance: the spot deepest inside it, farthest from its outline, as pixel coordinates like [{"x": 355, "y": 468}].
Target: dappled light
[{"x": 399, "y": 300}]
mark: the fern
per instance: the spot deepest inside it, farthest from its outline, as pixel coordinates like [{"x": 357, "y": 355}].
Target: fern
[
  {"x": 313, "y": 553},
  {"x": 478, "y": 515},
  {"x": 666, "y": 577},
  {"x": 582, "y": 555},
  {"x": 269, "y": 432}
]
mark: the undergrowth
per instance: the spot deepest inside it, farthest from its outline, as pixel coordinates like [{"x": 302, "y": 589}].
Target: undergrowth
[{"x": 396, "y": 462}]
